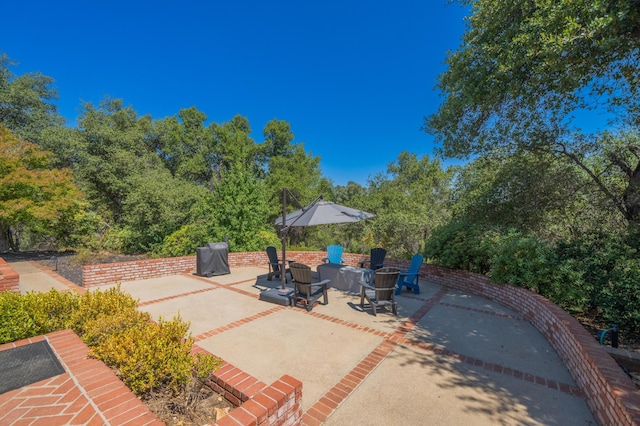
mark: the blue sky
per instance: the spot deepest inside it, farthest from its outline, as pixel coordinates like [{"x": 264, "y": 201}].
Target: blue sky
[{"x": 354, "y": 79}]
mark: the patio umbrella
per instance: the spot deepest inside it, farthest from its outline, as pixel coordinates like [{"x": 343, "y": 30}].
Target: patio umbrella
[
  {"x": 317, "y": 213},
  {"x": 324, "y": 212}
]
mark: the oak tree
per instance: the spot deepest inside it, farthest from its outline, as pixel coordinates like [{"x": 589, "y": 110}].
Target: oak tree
[{"x": 525, "y": 69}]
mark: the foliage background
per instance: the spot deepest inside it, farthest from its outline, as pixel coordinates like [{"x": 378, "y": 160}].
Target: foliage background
[{"x": 536, "y": 201}]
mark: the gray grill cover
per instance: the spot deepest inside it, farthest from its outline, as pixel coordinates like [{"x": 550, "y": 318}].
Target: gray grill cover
[{"x": 213, "y": 259}]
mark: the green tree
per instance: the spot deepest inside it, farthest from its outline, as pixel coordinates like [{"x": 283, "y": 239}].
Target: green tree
[
  {"x": 525, "y": 68},
  {"x": 157, "y": 205},
  {"x": 26, "y": 102},
  {"x": 299, "y": 172},
  {"x": 113, "y": 152},
  {"x": 65, "y": 143},
  {"x": 185, "y": 145},
  {"x": 278, "y": 139},
  {"x": 234, "y": 146},
  {"x": 139, "y": 199},
  {"x": 33, "y": 196},
  {"x": 410, "y": 200},
  {"x": 531, "y": 192},
  {"x": 239, "y": 210}
]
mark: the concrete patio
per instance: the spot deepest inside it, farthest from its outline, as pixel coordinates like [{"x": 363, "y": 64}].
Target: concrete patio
[{"x": 447, "y": 358}]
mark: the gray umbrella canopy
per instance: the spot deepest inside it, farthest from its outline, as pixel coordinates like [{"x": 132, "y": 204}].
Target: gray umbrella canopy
[
  {"x": 317, "y": 213},
  {"x": 323, "y": 212}
]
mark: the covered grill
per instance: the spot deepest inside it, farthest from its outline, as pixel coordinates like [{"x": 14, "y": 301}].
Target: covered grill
[{"x": 212, "y": 259}]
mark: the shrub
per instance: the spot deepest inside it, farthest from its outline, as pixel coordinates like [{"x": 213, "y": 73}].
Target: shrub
[
  {"x": 118, "y": 240},
  {"x": 609, "y": 274},
  {"x": 183, "y": 242},
  {"x": 619, "y": 298},
  {"x": 32, "y": 314},
  {"x": 15, "y": 321},
  {"x": 525, "y": 261},
  {"x": 460, "y": 245},
  {"x": 94, "y": 305},
  {"x": 520, "y": 260},
  {"x": 147, "y": 356},
  {"x": 598, "y": 273}
]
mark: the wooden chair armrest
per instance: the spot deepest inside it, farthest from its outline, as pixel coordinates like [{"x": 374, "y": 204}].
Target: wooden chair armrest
[
  {"x": 367, "y": 286},
  {"x": 323, "y": 282}
]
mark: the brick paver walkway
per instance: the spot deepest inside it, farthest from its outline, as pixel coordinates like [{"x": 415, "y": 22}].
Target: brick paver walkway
[{"x": 89, "y": 393}]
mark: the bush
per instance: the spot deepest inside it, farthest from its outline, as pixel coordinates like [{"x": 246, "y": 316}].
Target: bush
[
  {"x": 15, "y": 321},
  {"x": 597, "y": 274},
  {"x": 460, "y": 245},
  {"x": 520, "y": 260},
  {"x": 183, "y": 242},
  {"x": 93, "y": 306},
  {"x": 147, "y": 356},
  {"x": 524, "y": 261},
  {"x": 609, "y": 275},
  {"x": 619, "y": 298},
  {"x": 32, "y": 314}
]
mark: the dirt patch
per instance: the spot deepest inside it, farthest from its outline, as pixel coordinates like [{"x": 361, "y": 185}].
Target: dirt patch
[{"x": 189, "y": 408}]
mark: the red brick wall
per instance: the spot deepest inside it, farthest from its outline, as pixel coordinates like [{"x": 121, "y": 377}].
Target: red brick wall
[
  {"x": 9, "y": 279},
  {"x": 611, "y": 395},
  {"x": 278, "y": 404},
  {"x": 111, "y": 273}
]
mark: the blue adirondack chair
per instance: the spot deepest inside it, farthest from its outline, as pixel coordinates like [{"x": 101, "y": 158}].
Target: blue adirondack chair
[
  {"x": 334, "y": 254},
  {"x": 409, "y": 278}
]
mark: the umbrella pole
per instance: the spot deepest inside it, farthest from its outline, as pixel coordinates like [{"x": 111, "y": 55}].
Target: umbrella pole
[{"x": 283, "y": 272}]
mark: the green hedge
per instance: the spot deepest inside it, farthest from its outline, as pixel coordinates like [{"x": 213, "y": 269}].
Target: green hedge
[{"x": 596, "y": 274}]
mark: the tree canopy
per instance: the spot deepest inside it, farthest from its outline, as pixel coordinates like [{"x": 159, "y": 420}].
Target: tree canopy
[
  {"x": 523, "y": 72},
  {"x": 32, "y": 194},
  {"x": 27, "y": 105},
  {"x": 172, "y": 184}
]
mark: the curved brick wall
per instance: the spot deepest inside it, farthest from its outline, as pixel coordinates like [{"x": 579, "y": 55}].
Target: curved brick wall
[{"x": 611, "y": 395}]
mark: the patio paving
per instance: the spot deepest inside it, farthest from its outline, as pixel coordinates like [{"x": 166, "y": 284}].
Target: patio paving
[
  {"x": 447, "y": 358},
  {"x": 33, "y": 278},
  {"x": 334, "y": 350}
]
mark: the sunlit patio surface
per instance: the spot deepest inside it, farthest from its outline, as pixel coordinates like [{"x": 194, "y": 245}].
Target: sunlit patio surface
[{"x": 431, "y": 364}]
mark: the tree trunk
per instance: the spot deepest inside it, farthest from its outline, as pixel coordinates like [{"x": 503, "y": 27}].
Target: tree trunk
[
  {"x": 5, "y": 243},
  {"x": 631, "y": 200}
]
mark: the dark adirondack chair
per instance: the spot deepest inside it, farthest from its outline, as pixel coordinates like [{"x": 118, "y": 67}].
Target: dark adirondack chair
[
  {"x": 305, "y": 291},
  {"x": 381, "y": 293},
  {"x": 376, "y": 258},
  {"x": 409, "y": 278},
  {"x": 275, "y": 265}
]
